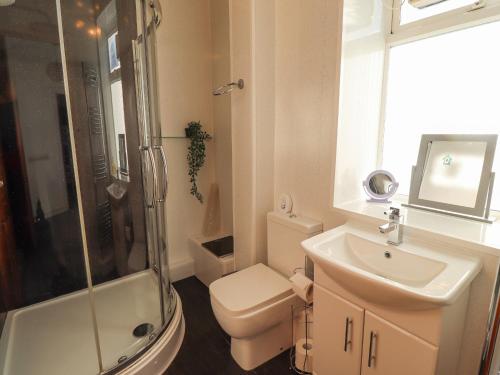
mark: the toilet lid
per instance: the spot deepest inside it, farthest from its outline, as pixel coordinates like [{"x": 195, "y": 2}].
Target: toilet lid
[{"x": 250, "y": 289}]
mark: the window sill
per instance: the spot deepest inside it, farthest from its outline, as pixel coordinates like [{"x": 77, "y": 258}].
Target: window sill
[{"x": 485, "y": 236}]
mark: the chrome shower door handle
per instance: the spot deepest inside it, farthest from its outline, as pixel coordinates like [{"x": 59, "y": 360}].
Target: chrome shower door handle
[
  {"x": 155, "y": 175},
  {"x": 164, "y": 193},
  {"x": 152, "y": 164}
]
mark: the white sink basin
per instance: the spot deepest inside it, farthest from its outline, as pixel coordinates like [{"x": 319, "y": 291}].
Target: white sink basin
[{"x": 408, "y": 276}]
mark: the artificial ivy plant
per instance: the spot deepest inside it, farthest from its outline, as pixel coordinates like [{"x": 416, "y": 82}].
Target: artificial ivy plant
[{"x": 196, "y": 154}]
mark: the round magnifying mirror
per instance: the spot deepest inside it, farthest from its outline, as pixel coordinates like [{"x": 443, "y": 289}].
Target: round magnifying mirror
[{"x": 380, "y": 186}]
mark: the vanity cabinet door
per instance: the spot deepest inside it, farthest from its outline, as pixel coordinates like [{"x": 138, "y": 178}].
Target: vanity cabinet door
[
  {"x": 389, "y": 350},
  {"x": 338, "y": 334}
]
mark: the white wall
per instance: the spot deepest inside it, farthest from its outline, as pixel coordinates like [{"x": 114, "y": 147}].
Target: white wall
[
  {"x": 362, "y": 68},
  {"x": 283, "y": 49},
  {"x": 184, "y": 75},
  {"x": 252, "y": 59},
  {"x": 287, "y": 52},
  {"x": 193, "y": 58},
  {"x": 309, "y": 147},
  {"x": 307, "y": 64},
  {"x": 221, "y": 74},
  {"x": 265, "y": 112},
  {"x": 243, "y": 135}
]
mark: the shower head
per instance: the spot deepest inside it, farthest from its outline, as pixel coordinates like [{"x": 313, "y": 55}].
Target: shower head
[{"x": 4, "y": 3}]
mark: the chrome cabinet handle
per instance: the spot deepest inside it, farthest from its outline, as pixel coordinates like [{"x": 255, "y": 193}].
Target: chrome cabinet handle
[
  {"x": 227, "y": 88},
  {"x": 347, "y": 336},
  {"x": 164, "y": 193},
  {"x": 372, "y": 349},
  {"x": 151, "y": 158}
]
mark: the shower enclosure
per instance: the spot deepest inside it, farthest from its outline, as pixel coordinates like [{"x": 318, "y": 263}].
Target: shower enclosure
[{"x": 84, "y": 284}]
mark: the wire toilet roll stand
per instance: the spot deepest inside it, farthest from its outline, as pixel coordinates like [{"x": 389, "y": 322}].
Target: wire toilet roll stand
[{"x": 296, "y": 311}]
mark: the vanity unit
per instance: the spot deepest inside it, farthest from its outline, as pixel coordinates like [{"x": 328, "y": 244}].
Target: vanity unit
[{"x": 385, "y": 309}]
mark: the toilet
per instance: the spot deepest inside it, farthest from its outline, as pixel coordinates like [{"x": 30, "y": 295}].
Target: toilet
[{"x": 254, "y": 305}]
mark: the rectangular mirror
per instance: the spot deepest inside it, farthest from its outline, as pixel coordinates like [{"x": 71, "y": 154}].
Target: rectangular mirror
[{"x": 454, "y": 173}]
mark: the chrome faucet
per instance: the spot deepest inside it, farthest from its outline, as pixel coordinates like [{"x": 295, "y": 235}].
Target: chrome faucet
[{"x": 394, "y": 227}]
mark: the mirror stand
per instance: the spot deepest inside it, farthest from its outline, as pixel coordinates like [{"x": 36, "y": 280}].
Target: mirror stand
[
  {"x": 486, "y": 218},
  {"x": 380, "y": 186}
]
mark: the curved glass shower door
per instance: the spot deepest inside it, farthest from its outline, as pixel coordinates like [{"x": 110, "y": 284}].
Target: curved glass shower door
[
  {"x": 109, "y": 70},
  {"x": 44, "y": 300},
  {"x": 84, "y": 282}
]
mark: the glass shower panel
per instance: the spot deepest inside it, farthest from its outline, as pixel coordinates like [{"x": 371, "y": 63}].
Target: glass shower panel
[
  {"x": 151, "y": 18},
  {"x": 44, "y": 303},
  {"x": 119, "y": 172}
]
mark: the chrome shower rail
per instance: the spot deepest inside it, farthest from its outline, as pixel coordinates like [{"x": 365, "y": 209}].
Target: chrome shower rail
[{"x": 227, "y": 88}]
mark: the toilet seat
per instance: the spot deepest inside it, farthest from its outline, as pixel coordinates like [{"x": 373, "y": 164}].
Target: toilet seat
[{"x": 250, "y": 290}]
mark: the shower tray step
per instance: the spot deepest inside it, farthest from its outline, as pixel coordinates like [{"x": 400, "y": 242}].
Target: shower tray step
[
  {"x": 220, "y": 247},
  {"x": 213, "y": 257}
]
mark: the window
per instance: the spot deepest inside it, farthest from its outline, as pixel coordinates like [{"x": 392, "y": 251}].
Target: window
[
  {"x": 410, "y": 13},
  {"x": 119, "y": 126},
  {"x": 449, "y": 83},
  {"x": 114, "y": 60}
]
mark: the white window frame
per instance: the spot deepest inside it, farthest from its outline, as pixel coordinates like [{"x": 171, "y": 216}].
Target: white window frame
[
  {"x": 479, "y": 13},
  {"x": 482, "y": 11}
]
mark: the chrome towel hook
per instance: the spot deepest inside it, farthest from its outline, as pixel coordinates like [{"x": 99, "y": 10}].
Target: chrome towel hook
[{"x": 227, "y": 88}]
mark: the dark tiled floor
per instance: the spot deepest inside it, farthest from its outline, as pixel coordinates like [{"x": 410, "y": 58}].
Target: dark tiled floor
[
  {"x": 206, "y": 347},
  {"x": 3, "y": 315}
]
